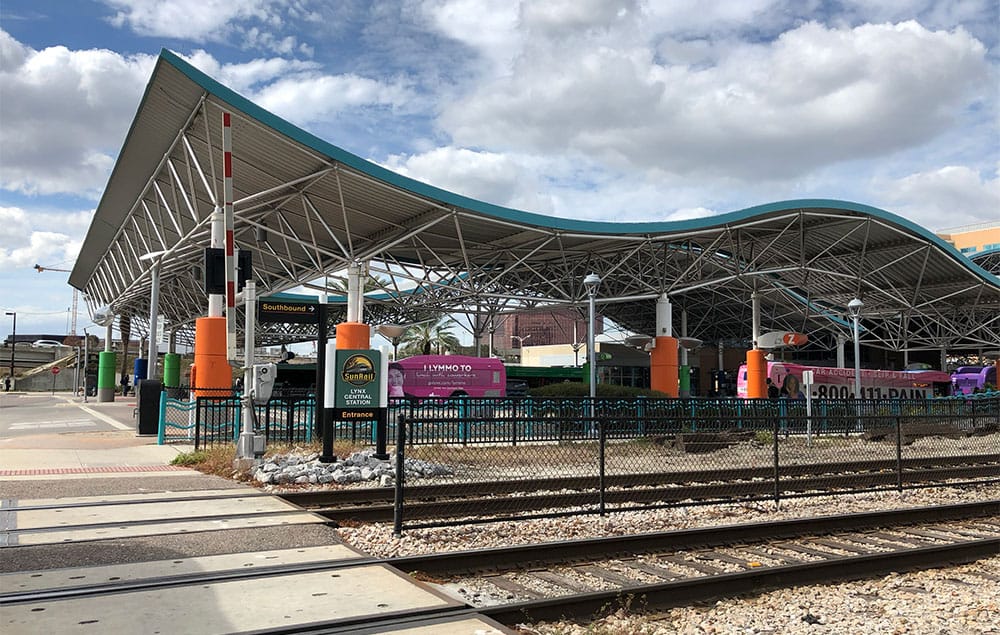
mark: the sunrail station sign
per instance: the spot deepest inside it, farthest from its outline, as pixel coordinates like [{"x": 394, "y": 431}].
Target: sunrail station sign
[{"x": 357, "y": 380}]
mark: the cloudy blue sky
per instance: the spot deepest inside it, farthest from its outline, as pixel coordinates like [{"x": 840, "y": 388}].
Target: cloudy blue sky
[{"x": 608, "y": 110}]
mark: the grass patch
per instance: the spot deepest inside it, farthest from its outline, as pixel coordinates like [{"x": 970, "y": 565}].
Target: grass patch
[
  {"x": 216, "y": 460},
  {"x": 189, "y": 458}
]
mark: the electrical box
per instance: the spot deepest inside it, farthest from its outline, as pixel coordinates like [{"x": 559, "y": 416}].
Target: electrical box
[{"x": 262, "y": 382}]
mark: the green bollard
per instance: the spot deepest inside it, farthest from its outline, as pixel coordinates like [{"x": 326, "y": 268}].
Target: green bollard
[
  {"x": 106, "y": 363},
  {"x": 171, "y": 370}
]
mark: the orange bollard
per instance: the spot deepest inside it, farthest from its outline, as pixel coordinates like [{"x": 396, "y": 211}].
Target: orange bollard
[
  {"x": 354, "y": 336},
  {"x": 756, "y": 374},
  {"x": 211, "y": 369},
  {"x": 663, "y": 366}
]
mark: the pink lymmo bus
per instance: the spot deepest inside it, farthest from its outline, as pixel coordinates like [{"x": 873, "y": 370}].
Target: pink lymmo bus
[
  {"x": 449, "y": 376},
  {"x": 969, "y": 379},
  {"x": 838, "y": 383}
]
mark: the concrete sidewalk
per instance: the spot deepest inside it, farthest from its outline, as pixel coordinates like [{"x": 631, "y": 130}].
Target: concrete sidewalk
[{"x": 95, "y": 453}]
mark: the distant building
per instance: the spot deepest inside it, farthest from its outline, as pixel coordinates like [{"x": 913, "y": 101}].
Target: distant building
[
  {"x": 973, "y": 239},
  {"x": 544, "y": 329}
]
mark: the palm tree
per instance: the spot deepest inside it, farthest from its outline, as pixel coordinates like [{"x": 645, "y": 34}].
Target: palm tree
[
  {"x": 430, "y": 336},
  {"x": 125, "y": 326},
  {"x": 369, "y": 283}
]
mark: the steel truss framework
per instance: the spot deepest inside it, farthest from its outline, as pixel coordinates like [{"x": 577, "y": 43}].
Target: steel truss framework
[{"x": 308, "y": 209}]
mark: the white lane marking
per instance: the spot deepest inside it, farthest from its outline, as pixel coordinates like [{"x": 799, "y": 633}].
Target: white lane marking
[
  {"x": 53, "y": 424},
  {"x": 106, "y": 419}
]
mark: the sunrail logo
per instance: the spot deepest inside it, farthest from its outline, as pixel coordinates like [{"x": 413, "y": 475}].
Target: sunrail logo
[{"x": 358, "y": 370}]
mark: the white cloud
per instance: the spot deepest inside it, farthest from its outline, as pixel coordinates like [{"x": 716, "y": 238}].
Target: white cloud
[
  {"x": 251, "y": 24},
  {"x": 488, "y": 26},
  {"x": 28, "y": 240},
  {"x": 501, "y": 179},
  {"x": 948, "y": 197},
  {"x": 567, "y": 187},
  {"x": 188, "y": 19},
  {"x": 310, "y": 98},
  {"x": 815, "y": 96},
  {"x": 15, "y": 226},
  {"x": 91, "y": 94},
  {"x": 247, "y": 77},
  {"x": 41, "y": 247}
]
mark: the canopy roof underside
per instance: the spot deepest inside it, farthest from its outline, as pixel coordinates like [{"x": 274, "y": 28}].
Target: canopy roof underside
[{"x": 308, "y": 209}]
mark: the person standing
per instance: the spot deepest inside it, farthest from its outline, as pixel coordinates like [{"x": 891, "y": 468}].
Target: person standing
[{"x": 124, "y": 383}]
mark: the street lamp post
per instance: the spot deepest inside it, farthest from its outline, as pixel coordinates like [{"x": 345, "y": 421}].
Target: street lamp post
[
  {"x": 591, "y": 282},
  {"x": 393, "y": 332},
  {"x": 854, "y": 307},
  {"x": 86, "y": 359},
  {"x": 13, "y": 343},
  {"x": 520, "y": 344}
]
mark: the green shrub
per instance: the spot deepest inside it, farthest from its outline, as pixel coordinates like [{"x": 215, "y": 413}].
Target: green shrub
[{"x": 190, "y": 458}]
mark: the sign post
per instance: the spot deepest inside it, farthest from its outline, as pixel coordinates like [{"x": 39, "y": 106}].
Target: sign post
[
  {"x": 287, "y": 312},
  {"x": 290, "y": 312},
  {"x": 55, "y": 371},
  {"x": 807, "y": 383}
]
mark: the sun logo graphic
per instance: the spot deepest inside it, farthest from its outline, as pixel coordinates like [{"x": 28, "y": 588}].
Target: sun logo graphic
[{"x": 358, "y": 370}]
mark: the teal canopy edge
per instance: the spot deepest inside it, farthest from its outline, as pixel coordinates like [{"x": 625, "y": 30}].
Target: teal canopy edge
[{"x": 552, "y": 222}]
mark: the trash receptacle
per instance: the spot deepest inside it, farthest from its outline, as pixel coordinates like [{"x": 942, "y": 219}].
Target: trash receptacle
[{"x": 148, "y": 406}]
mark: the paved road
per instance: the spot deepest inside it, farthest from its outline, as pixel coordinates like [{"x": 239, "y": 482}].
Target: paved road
[{"x": 23, "y": 414}]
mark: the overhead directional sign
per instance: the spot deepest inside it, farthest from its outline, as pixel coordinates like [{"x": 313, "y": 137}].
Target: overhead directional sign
[
  {"x": 779, "y": 339},
  {"x": 287, "y": 312}
]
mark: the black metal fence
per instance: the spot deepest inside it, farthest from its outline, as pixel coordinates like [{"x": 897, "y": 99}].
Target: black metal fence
[
  {"x": 490, "y": 420},
  {"x": 615, "y": 455}
]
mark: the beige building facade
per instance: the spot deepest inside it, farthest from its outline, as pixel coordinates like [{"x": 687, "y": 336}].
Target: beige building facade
[{"x": 973, "y": 239}]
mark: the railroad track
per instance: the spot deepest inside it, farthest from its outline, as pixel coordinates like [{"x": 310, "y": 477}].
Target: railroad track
[
  {"x": 585, "y": 579},
  {"x": 493, "y": 498},
  {"x": 588, "y": 578}
]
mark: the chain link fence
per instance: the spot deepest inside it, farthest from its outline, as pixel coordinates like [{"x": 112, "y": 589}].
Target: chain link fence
[{"x": 524, "y": 458}]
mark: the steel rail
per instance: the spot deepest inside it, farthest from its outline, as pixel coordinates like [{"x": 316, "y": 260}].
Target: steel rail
[
  {"x": 500, "y": 558},
  {"x": 722, "y": 492},
  {"x": 681, "y": 592},
  {"x": 372, "y": 495},
  {"x": 539, "y": 554},
  {"x": 9, "y": 535},
  {"x": 10, "y": 504}
]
